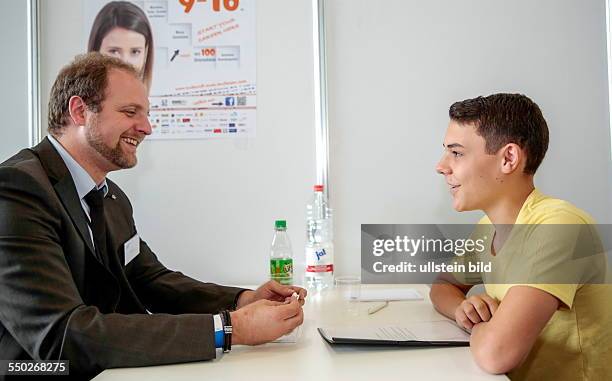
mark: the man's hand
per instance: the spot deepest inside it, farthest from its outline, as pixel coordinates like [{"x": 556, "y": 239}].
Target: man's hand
[
  {"x": 265, "y": 320},
  {"x": 474, "y": 310},
  {"x": 273, "y": 291}
]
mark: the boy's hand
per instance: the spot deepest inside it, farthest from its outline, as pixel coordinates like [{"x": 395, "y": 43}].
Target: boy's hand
[{"x": 474, "y": 310}]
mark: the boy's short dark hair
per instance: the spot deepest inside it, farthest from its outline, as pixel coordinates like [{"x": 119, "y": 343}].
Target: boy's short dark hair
[{"x": 506, "y": 118}]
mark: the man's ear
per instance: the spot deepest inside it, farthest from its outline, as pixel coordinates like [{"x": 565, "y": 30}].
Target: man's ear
[
  {"x": 512, "y": 158},
  {"x": 77, "y": 108}
]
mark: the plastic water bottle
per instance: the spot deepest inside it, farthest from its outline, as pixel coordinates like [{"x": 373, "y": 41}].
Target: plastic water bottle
[
  {"x": 281, "y": 255},
  {"x": 319, "y": 272}
]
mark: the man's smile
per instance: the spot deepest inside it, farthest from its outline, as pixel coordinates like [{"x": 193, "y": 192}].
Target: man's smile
[{"x": 131, "y": 141}]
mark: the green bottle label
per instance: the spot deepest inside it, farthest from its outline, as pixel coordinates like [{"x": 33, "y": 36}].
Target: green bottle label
[{"x": 281, "y": 270}]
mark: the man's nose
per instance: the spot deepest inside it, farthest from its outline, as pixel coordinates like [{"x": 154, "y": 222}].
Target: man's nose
[{"x": 144, "y": 126}]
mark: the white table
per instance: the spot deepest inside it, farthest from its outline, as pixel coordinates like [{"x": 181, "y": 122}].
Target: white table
[{"x": 313, "y": 359}]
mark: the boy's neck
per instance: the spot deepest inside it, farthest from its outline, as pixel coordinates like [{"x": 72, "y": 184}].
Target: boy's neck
[{"x": 506, "y": 208}]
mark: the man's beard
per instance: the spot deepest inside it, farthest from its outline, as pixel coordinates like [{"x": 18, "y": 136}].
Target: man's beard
[{"x": 113, "y": 154}]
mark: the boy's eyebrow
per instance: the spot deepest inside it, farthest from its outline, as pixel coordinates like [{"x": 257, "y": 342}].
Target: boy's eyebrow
[{"x": 452, "y": 145}]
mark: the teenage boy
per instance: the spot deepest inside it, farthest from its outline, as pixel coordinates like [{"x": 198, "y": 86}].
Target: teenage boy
[{"x": 532, "y": 331}]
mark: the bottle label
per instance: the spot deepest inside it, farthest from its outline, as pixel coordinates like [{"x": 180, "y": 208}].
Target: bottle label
[
  {"x": 281, "y": 270},
  {"x": 320, "y": 259},
  {"x": 320, "y": 269}
]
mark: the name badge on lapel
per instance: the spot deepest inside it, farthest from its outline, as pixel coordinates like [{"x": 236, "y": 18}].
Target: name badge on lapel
[{"x": 131, "y": 248}]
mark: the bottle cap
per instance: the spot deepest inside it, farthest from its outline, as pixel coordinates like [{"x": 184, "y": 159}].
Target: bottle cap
[
  {"x": 318, "y": 188},
  {"x": 280, "y": 224}
]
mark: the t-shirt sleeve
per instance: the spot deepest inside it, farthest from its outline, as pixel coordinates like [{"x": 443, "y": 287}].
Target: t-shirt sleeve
[
  {"x": 564, "y": 292},
  {"x": 557, "y": 256},
  {"x": 562, "y": 254}
]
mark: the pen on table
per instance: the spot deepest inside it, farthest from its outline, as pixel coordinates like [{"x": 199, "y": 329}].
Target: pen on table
[{"x": 375, "y": 309}]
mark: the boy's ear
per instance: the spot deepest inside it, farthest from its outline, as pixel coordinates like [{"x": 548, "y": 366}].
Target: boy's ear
[
  {"x": 512, "y": 158},
  {"x": 77, "y": 108}
]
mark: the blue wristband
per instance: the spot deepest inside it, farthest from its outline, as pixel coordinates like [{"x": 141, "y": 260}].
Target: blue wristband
[
  {"x": 219, "y": 340},
  {"x": 219, "y": 335}
]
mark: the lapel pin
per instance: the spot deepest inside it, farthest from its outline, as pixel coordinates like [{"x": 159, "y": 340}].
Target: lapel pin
[{"x": 113, "y": 197}]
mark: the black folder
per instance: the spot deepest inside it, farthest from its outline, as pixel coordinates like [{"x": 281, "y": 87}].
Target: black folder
[{"x": 422, "y": 334}]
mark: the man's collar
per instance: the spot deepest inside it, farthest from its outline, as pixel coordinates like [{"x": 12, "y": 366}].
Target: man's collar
[{"x": 82, "y": 180}]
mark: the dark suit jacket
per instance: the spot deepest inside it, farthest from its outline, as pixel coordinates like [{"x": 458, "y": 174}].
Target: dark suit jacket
[{"x": 57, "y": 301}]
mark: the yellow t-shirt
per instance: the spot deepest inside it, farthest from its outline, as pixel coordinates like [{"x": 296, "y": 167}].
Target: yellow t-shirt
[{"x": 576, "y": 344}]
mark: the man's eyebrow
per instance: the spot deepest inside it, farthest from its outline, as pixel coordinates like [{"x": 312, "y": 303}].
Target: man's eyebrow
[
  {"x": 452, "y": 145},
  {"x": 137, "y": 106}
]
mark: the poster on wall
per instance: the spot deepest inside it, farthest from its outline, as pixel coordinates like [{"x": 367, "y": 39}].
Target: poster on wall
[{"x": 197, "y": 58}]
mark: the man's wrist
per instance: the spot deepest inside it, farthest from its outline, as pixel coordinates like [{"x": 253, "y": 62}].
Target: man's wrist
[
  {"x": 245, "y": 297},
  {"x": 236, "y": 334}
]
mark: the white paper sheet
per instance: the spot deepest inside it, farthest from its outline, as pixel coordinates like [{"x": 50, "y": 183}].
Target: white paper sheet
[{"x": 390, "y": 294}]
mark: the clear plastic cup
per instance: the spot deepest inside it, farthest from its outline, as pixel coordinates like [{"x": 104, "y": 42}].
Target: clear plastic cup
[{"x": 349, "y": 289}]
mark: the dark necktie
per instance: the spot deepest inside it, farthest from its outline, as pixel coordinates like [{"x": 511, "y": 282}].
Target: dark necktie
[{"x": 95, "y": 200}]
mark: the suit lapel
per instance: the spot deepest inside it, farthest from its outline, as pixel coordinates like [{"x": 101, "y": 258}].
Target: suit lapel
[
  {"x": 64, "y": 187},
  {"x": 69, "y": 197}
]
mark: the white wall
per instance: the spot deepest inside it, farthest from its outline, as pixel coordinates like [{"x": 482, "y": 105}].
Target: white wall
[
  {"x": 396, "y": 66},
  {"x": 14, "y": 133},
  {"x": 208, "y": 207}
]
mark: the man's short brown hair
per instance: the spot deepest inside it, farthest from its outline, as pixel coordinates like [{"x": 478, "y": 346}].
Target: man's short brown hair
[
  {"x": 85, "y": 77},
  {"x": 506, "y": 118}
]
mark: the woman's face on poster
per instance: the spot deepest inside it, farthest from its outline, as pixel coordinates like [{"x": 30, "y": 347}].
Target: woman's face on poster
[{"x": 128, "y": 45}]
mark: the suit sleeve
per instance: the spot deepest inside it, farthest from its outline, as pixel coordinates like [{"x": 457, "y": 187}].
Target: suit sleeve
[
  {"x": 42, "y": 310},
  {"x": 164, "y": 290}
]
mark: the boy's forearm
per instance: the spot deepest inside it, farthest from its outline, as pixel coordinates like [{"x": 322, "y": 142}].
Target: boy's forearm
[{"x": 446, "y": 298}]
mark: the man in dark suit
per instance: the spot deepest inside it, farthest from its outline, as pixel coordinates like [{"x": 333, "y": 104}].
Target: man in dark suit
[{"x": 76, "y": 281}]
